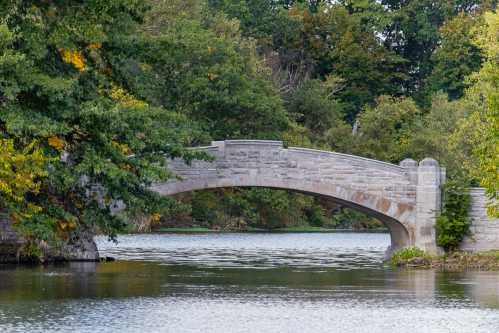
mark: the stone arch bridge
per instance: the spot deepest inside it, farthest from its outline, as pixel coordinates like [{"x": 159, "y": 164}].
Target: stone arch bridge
[{"x": 405, "y": 197}]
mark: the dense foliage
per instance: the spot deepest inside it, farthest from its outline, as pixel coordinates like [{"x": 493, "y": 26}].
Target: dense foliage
[
  {"x": 61, "y": 88},
  {"x": 94, "y": 94},
  {"x": 453, "y": 223},
  {"x": 20, "y": 175},
  {"x": 402, "y": 256},
  {"x": 486, "y": 85}
]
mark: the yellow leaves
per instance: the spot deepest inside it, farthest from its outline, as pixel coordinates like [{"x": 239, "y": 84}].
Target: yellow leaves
[
  {"x": 28, "y": 212},
  {"x": 73, "y": 57},
  {"x": 63, "y": 225},
  {"x": 56, "y": 143},
  {"x": 493, "y": 210},
  {"x": 107, "y": 71},
  {"x": 487, "y": 36},
  {"x": 5, "y": 188},
  {"x": 404, "y": 140},
  {"x": 95, "y": 46},
  {"x": 125, "y": 166},
  {"x": 34, "y": 208},
  {"x": 20, "y": 173},
  {"x": 212, "y": 76},
  {"x": 297, "y": 12},
  {"x": 126, "y": 99},
  {"x": 211, "y": 50},
  {"x": 145, "y": 67},
  {"x": 117, "y": 93},
  {"x": 51, "y": 12},
  {"x": 155, "y": 217},
  {"x": 122, "y": 147}
]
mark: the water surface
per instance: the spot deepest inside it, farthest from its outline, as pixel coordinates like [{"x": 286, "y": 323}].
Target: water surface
[{"x": 326, "y": 282}]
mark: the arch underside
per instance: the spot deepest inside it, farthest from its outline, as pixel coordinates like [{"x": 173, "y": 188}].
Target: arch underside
[{"x": 397, "y": 217}]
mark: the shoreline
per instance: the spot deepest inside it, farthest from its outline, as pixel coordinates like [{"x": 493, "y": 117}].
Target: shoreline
[
  {"x": 451, "y": 262},
  {"x": 258, "y": 230}
]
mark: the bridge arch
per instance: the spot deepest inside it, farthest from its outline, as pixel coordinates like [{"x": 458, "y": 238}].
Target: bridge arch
[{"x": 397, "y": 195}]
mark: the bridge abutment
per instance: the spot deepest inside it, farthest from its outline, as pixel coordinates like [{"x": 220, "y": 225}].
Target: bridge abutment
[{"x": 428, "y": 204}]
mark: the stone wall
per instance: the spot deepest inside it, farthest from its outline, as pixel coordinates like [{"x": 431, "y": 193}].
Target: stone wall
[{"x": 484, "y": 231}]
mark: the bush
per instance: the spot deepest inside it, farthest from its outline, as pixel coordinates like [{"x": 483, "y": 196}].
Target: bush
[
  {"x": 453, "y": 223},
  {"x": 316, "y": 215},
  {"x": 402, "y": 255}
]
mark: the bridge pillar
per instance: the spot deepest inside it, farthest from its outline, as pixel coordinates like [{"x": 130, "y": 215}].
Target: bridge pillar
[{"x": 428, "y": 204}]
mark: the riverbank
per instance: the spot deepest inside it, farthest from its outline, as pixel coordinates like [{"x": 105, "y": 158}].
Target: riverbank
[
  {"x": 299, "y": 229},
  {"x": 455, "y": 261}
]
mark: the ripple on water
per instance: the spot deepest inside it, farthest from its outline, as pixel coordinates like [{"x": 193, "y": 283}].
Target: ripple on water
[
  {"x": 246, "y": 283},
  {"x": 333, "y": 250}
]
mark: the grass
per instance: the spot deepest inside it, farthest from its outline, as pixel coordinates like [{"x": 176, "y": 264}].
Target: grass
[
  {"x": 186, "y": 230},
  {"x": 322, "y": 229},
  {"x": 404, "y": 256},
  {"x": 488, "y": 254},
  {"x": 205, "y": 229},
  {"x": 304, "y": 229},
  {"x": 454, "y": 261}
]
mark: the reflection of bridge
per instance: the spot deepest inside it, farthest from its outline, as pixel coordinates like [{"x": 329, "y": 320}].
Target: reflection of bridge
[{"x": 405, "y": 198}]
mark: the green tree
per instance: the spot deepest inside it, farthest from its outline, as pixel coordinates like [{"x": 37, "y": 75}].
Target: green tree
[
  {"x": 384, "y": 130},
  {"x": 303, "y": 40},
  {"x": 456, "y": 57},
  {"x": 313, "y": 106},
  {"x": 275, "y": 208},
  {"x": 414, "y": 34},
  {"x": 208, "y": 72},
  {"x": 434, "y": 135},
  {"x": 486, "y": 86},
  {"x": 337, "y": 44},
  {"x": 106, "y": 143}
]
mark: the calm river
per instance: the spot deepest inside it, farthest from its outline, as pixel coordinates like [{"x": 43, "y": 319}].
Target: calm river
[{"x": 325, "y": 282}]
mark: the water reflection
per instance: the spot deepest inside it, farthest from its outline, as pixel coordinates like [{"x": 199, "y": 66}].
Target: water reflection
[
  {"x": 344, "y": 251},
  {"x": 246, "y": 283}
]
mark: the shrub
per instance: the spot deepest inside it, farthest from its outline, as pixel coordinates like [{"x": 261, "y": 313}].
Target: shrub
[
  {"x": 402, "y": 255},
  {"x": 453, "y": 223}
]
